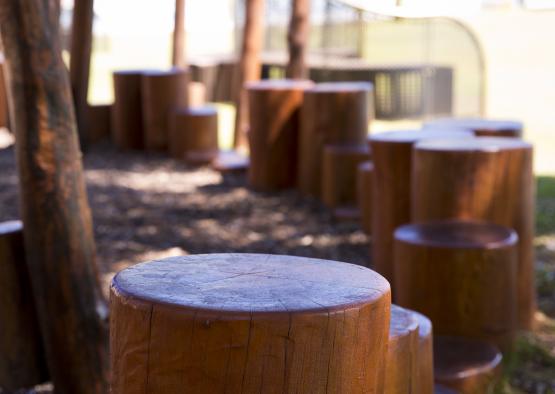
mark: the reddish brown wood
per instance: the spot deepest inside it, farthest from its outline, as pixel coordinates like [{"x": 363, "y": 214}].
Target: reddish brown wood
[
  {"x": 99, "y": 118},
  {"x": 4, "y": 110},
  {"x": 425, "y": 372},
  {"x": 22, "y": 364},
  {"x": 297, "y": 39},
  {"x": 249, "y": 67},
  {"x": 127, "y": 116},
  {"x": 332, "y": 113},
  {"x": 179, "y": 42},
  {"x": 466, "y": 365},
  {"x": 445, "y": 175},
  {"x": 480, "y": 127},
  {"x": 162, "y": 91},
  {"x": 249, "y": 324},
  {"x": 194, "y": 134},
  {"x": 273, "y": 136},
  {"x": 339, "y": 174},
  {"x": 392, "y": 157},
  {"x": 365, "y": 187},
  {"x": 59, "y": 241}
]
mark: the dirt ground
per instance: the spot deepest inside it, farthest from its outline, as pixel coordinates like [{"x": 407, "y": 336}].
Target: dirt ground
[{"x": 150, "y": 206}]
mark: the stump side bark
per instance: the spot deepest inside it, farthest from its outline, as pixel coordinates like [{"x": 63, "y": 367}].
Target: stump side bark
[
  {"x": 365, "y": 187},
  {"x": 127, "y": 116},
  {"x": 425, "y": 372},
  {"x": 274, "y": 324},
  {"x": 23, "y": 362},
  {"x": 445, "y": 176}
]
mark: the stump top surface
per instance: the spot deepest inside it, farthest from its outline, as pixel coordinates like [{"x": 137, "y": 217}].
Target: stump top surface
[
  {"x": 476, "y": 124},
  {"x": 164, "y": 73},
  {"x": 348, "y": 149},
  {"x": 458, "y": 358},
  {"x": 366, "y": 166},
  {"x": 204, "y": 110},
  {"x": 339, "y": 87},
  {"x": 458, "y": 234},
  {"x": 251, "y": 283},
  {"x": 11, "y": 226},
  {"x": 424, "y": 325},
  {"x": 403, "y": 322},
  {"x": 476, "y": 144},
  {"x": 413, "y": 136},
  {"x": 279, "y": 84}
]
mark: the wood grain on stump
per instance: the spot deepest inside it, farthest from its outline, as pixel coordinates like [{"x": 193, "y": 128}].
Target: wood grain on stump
[
  {"x": 332, "y": 113},
  {"x": 466, "y": 365},
  {"x": 274, "y": 131},
  {"x": 248, "y": 323},
  {"x": 462, "y": 275},
  {"x": 99, "y": 118},
  {"x": 391, "y": 207},
  {"x": 127, "y": 116},
  {"x": 339, "y": 173},
  {"x": 162, "y": 91},
  {"x": 194, "y": 134},
  {"x": 22, "y": 362},
  {"x": 425, "y": 372},
  {"x": 480, "y": 127},
  {"x": 365, "y": 182},
  {"x": 487, "y": 179}
]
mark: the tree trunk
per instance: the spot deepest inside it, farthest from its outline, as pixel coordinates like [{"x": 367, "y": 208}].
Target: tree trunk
[
  {"x": 79, "y": 66},
  {"x": 58, "y": 227},
  {"x": 249, "y": 66},
  {"x": 297, "y": 38},
  {"x": 178, "y": 54}
]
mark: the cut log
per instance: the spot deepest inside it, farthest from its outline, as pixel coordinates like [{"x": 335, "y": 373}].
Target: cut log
[
  {"x": 332, "y": 113},
  {"x": 466, "y": 365},
  {"x": 272, "y": 324},
  {"x": 480, "y": 127},
  {"x": 445, "y": 177},
  {"x": 365, "y": 182},
  {"x": 99, "y": 120},
  {"x": 22, "y": 364},
  {"x": 392, "y": 157},
  {"x": 162, "y": 91},
  {"x": 462, "y": 275},
  {"x": 273, "y": 136},
  {"x": 339, "y": 174},
  {"x": 194, "y": 134},
  {"x": 127, "y": 116}
]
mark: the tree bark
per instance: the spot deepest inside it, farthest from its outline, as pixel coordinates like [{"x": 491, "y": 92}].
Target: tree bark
[
  {"x": 249, "y": 66},
  {"x": 297, "y": 38},
  {"x": 178, "y": 53},
  {"x": 79, "y": 65},
  {"x": 58, "y": 227}
]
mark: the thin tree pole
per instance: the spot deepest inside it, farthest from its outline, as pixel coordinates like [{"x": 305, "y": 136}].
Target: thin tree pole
[
  {"x": 297, "y": 38},
  {"x": 249, "y": 65},
  {"x": 179, "y": 44},
  {"x": 80, "y": 61},
  {"x": 59, "y": 239}
]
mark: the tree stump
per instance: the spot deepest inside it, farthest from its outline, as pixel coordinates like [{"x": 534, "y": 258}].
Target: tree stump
[
  {"x": 365, "y": 182},
  {"x": 339, "y": 174},
  {"x": 462, "y": 275},
  {"x": 480, "y": 127},
  {"x": 445, "y": 178},
  {"x": 332, "y": 113},
  {"x": 425, "y": 372},
  {"x": 392, "y": 157},
  {"x": 231, "y": 161},
  {"x": 273, "y": 135},
  {"x": 22, "y": 364},
  {"x": 99, "y": 119},
  {"x": 248, "y": 323},
  {"x": 194, "y": 134},
  {"x": 127, "y": 114},
  {"x": 466, "y": 365},
  {"x": 162, "y": 91}
]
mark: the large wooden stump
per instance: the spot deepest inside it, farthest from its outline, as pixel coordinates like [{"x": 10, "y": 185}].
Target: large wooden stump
[
  {"x": 365, "y": 182},
  {"x": 162, "y": 91},
  {"x": 466, "y": 365},
  {"x": 22, "y": 364},
  {"x": 425, "y": 372},
  {"x": 99, "y": 119},
  {"x": 273, "y": 134},
  {"x": 339, "y": 174},
  {"x": 485, "y": 179},
  {"x": 127, "y": 114},
  {"x": 480, "y": 127},
  {"x": 462, "y": 275},
  {"x": 194, "y": 134},
  {"x": 248, "y": 323},
  {"x": 392, "y": 157},
  {"x": 332, "y": 113}
]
